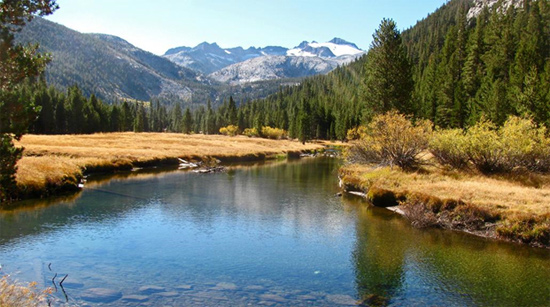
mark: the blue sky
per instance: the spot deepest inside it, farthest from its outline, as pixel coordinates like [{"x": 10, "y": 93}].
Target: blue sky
[{"x": 162, "y": 24}]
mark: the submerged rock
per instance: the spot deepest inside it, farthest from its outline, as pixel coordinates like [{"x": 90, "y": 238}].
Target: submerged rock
[
  {"x": 254, "y": 288},
  {"x": 273, "y": 298},
  {"x": 150, "y": 289},
  {"x": 184, "y": 287},
  {"x": 101, "y": 295},
  {"x": 135, "y": 298},
  {"x": 340, "y": 299},
  {"x": 225, "y": 286},
  {"x": 168, "y": 294}
]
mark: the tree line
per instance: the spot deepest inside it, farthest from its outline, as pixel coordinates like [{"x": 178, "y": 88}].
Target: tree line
[{"x": 449, "y": 69}]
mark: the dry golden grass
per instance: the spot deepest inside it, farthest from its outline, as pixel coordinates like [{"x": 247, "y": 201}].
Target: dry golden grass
[
  {"x": 56, "y": 160},
  {"x": 148, "y": 146},
  {"x": 497, "y": 195}
]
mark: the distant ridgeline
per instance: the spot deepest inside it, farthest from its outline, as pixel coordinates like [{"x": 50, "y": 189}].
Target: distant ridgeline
[{"x": 492, "y": 62}]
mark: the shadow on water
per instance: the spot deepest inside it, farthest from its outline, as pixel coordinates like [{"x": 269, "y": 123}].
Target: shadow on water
[{"x": 397, "y": 264}]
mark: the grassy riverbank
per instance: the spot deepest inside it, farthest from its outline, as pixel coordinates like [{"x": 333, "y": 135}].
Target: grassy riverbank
[
  {"x": 513, "y": 207},
  {"x": 55, "y": 163}
]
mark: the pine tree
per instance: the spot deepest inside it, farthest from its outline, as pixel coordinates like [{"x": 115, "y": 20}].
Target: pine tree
[
  {"x": 388, "y": 84},
  {"x": 304, "y": 122},
  {"x": 140, "y": 121},
  {"x": 187, "y": 122},
  {"x": 17, "y": 63}
]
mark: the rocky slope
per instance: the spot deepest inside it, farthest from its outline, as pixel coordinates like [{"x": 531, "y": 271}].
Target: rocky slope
[
  {"x": 109, "y": 66},
  {"x": 480, "y": 4},
  {"x": 277, "y": 67}
]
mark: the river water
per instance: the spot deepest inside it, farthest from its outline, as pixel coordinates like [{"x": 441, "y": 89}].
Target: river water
[{"x": 269, "y": 235}]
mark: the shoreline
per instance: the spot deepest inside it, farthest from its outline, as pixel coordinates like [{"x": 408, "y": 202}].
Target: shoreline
[
  {"x": 55, "y": 165},
  {"x": 428, "y": 210}
]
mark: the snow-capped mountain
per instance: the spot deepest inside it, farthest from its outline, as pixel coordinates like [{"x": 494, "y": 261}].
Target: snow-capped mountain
[
  {"x": 238, "y": 65},
  {"x": 334, "y": 48},
  {"x": 207, "y": 58},
  {"x": 272, "y": 67}
]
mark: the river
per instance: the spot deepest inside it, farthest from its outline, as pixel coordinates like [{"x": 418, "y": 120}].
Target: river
[{"x": 273, "y": 235}]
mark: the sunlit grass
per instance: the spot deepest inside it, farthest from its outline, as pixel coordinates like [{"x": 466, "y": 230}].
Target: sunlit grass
[
  {"x": 514, "y": 207},
  {"x": 493, "y": 193},
  {"x": 52, "y": 161}
]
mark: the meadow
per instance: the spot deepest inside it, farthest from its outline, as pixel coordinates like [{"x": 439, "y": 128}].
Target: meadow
[{"x": 56, "y": 163}]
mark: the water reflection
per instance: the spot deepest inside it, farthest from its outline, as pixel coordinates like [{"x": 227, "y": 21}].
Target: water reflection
[
  {"x": 397, "y": 264},
  {"x": 273, "y": 235}
]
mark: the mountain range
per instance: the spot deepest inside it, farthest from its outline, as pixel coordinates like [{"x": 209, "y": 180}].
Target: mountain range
[
  {"x": 211, "y": 58},
  {"x": 112, "y": 68}
]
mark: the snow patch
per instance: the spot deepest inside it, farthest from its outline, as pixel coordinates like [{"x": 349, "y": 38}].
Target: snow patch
[
  {"x": 300, "y": 52},
  {"x": 337, "y": 50}
]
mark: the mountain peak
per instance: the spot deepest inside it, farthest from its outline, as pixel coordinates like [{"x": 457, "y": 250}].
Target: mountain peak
[
  {"x": 205, "y": 45},
  {"x": 335, "y": 48},
  {"x": 339, "y": 41}
]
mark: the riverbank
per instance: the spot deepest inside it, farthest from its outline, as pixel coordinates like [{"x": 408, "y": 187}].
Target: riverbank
[
  {"x": 56, "y": 164},
  {"x": 507, "y": 207}
]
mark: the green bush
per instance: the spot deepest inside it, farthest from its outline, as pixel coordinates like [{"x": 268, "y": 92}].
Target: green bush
[
  {"x": 230, "y": 130},
  {"x": 392, "y": 139},
  {"x": 273, "y": 133},
  {"x": 449, "y": 148},
  {"x": 251, "y": 132}
]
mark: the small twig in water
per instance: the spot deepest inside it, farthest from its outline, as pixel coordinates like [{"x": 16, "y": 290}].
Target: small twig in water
[
  {"x": 53, "y": 282},
  {"x": 63, "y": 289},
  {"x": 61, "y": 282},
  {"x": 50, "y": 266}
]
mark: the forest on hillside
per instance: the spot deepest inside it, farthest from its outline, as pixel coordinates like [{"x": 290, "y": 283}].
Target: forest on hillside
[{"x": 447, "y": 68}]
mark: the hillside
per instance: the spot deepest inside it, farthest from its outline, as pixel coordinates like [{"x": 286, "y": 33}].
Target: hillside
[{"x": 109, "y": 66}]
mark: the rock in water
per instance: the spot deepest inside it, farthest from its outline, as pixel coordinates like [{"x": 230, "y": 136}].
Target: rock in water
[
  {"x": 135, "y": 298},
  {"x": 101, "y": 295},
  {"x": 151, "y": 289}
]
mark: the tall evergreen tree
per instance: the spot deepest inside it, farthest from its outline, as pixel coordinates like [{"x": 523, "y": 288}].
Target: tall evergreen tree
[
  {"x": 388, "y": 84},
  {"x": 187, "y": 121},
  {"x": 17, "y": 63}
]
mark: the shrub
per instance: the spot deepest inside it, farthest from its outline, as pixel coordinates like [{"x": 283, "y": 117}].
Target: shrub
[
  {"x": 12, "y": 294},
  {"x": 525, "y": 145},
  {"x": 356, "y": 133},
  {"x": 484, "y": 148},
  {"x": 391, "y": 139},
  {"x": 251, "y": 132},
  {"x": 230, "y": 130},
  {"x": 273, "y": 133},
  {"x": 449, "y": 148},
  {"x": 519, "y": 143}
]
